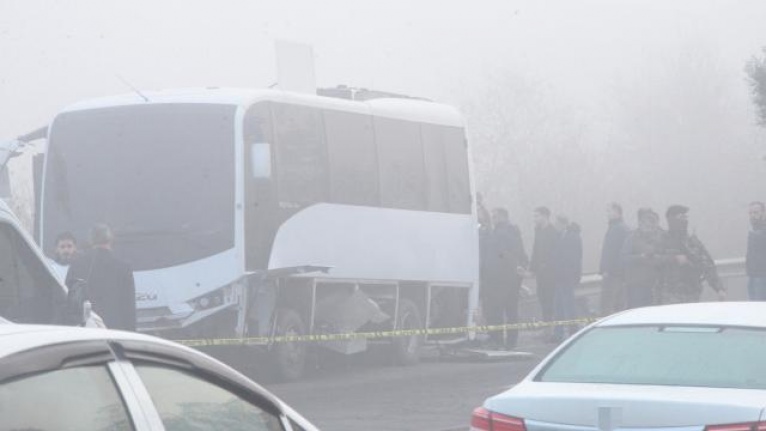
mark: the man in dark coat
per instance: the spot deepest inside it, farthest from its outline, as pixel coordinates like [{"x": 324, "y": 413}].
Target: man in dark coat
[
  {"x": 108, "y": 281},
  {"x": 640, "y": 256},
  {"x": 541, "y": 265},
  {"x": 755, "y": 263},
  {"x": 567, "y": 263},
  {"x": 505, "y": 260},
  {"x": 611, "y": 268}
]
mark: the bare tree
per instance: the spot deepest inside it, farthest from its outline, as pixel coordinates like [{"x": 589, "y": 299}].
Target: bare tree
[
  {"x": 756, "y": 74},
  {"x": 531, "y": 148},
  {"x": 676, "y": 128},
  {"x": 686, "y": 136}
]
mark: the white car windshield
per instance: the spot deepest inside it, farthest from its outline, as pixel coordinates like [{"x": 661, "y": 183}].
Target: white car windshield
[{"x": 718, "y": 357}]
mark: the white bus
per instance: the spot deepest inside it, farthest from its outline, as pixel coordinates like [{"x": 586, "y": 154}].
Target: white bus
[{"x": 255, "y": 213}]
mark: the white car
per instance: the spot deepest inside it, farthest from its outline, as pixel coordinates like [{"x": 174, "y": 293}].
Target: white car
[
  {"x": 687, "y": 367},
  {"x": 64, "y": 378}
]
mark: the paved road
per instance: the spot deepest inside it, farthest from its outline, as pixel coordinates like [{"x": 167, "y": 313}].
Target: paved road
[
  {"x": 355, "y": 394},
  {"x": 435, "y": 395}
]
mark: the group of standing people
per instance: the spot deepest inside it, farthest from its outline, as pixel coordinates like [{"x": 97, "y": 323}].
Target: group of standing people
[
  {"x": 650, "y": 265},
  {"x": 556, "y": 266},
  {"x": 556, "y": 263},
  {"x": 107, "y": 280},
  {"x": 647, "y": 265}
]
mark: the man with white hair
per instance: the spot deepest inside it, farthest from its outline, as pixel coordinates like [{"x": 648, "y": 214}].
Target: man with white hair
[{"x": 108, "y": 281}]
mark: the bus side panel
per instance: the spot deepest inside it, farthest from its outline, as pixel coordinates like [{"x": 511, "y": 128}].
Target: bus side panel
[{"x": 380, "y": 244}]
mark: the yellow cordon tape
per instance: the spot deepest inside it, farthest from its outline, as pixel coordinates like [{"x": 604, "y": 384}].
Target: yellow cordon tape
[{"x": 378, "y": 334}]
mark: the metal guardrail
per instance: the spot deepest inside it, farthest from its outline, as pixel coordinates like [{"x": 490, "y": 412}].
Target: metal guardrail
[
  {"x": 727, "y": 268},
  {"x": 730, "y": 270}
]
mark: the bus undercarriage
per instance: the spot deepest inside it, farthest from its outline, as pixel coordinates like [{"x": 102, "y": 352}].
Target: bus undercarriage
[{"x": 292, "y": 312}]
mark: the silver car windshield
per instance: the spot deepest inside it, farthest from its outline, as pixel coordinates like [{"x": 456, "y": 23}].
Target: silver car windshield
[{"x": 716, "y": 357}]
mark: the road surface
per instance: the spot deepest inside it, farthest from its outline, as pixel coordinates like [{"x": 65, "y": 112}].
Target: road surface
[{"x": 436, "y": 395}]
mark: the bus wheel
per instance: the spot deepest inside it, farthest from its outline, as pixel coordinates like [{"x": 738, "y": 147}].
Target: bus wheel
[
  {"x": 289, "y": 356},
  {"x": 406, "y": 349}
]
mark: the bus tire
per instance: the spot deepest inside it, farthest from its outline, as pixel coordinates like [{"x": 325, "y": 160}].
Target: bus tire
[
  {"x": 289, "y": 356},
  {"x": 406, "y": 349}
]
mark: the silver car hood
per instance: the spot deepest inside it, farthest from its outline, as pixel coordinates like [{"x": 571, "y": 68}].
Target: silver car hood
[{"x": 608, "y": 406}]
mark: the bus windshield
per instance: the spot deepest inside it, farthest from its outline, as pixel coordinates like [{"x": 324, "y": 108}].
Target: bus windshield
[{"x": 162, "y": 176}]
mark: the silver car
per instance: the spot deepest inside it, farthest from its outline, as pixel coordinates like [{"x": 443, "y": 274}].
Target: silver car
[
  {"x": 688, "y": 367},
  {"x": 62, "y": 378}
]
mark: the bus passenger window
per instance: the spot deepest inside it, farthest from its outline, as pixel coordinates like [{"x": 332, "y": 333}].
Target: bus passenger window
[
  {"x": 353, "y": 159},
  {"x": 402, "y": 170},
  {"x": 257, "y": 133},
  {"x": 260, "y": 157},
  {"x": 434, "y": 141},
  {"x": 457, "y": 169},
  {"x": 301, "y": 154},
  {"x": 260, "y": 184}
]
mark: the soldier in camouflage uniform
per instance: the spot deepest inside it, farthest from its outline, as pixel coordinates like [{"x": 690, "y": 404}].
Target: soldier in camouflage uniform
[{"x": 685, "y": 262}]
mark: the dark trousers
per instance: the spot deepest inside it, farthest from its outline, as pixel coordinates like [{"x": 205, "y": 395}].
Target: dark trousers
[
  {"x": 564, "y": 307},
  {"x": 756, "y": 288},
  {"x": 501, "y": 306},
  {"x": 640, "y": 294},
  {"x": 546, "y": 288}
]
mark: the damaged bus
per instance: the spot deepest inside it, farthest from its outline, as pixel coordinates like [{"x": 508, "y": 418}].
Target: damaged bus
[{"x": 250, "y": 214}]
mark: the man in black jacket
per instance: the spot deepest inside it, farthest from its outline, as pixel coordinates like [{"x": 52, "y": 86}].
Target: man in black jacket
[
  {"x": 108, "y": 281},
  {"x": 611, "y": 268},
  {"x": 756, "y": 253},
  {"x": 504, "y": 261},
  {"x": 567, "y": 261},
  {"x": 542, "y": 261}
]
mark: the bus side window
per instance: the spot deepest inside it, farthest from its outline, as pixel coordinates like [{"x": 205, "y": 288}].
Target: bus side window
[
  {"x": 434, "y": 138},
  {"x": 260, "y": 159},
  {"x": 301, "y": 155},
  {"x": 457, "y": 170},
  {"x": 260, "y": 194},
  {"x": 258, "y": 136},
  {"x": 402, "y": 170},
  {"x": 353, "y": 159}
]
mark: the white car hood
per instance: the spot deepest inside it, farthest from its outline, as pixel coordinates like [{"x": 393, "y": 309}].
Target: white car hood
[{"x": 632, "y": 406}]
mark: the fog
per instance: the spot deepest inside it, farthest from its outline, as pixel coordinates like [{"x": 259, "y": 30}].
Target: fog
[{"x": 569, "y": 104}]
